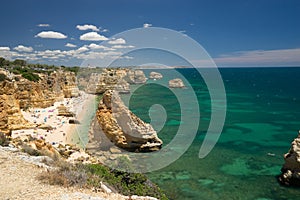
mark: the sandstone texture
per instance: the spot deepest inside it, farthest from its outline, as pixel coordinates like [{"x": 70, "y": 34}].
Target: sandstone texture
[
  {"x": 20, "y": 93},
  {"x": 109, "y": 79},
  {"x": 176, "y": 83},
  {"x": 123, "y": 127},
  {"x": 291, "y": 168},
  {"x": 155, "y": 75},
  {"x": 135, "y": 77}
]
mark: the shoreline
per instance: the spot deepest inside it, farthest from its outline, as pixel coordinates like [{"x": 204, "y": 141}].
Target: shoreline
[{"x": 61, "y": 131}]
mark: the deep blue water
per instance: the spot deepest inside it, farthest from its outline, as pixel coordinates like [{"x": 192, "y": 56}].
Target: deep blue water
[{"x": 263, "y": 117}]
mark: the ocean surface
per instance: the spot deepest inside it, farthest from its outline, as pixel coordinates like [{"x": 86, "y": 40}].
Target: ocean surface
[{"x": 263, "y": 117}]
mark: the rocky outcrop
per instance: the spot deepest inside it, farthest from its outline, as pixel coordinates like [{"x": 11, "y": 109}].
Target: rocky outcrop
[
  {"x": 123, "y": 127},
  {"x": 63, "y": 111},
  {"x": 109, "y": 79},
  {"x": 291, "y": 168},
  {"x": 135, "y": 77},
  {"x": 19, "y": 93},
  {"x": 11, "y": 117},
  {"x": 176, "y": 83},
  {"x": 155, "y": 75}
]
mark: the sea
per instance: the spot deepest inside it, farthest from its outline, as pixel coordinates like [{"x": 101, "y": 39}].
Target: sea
[{"x": 262, "y": 119}]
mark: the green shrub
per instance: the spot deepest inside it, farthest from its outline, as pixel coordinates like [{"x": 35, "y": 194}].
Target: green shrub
[
  {"x": 4, "y": 141},
  {"x": 31, "y": 76},
  {"x": 2, "y": 77}
]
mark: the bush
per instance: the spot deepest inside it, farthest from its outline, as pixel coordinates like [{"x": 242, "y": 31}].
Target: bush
[
  {"x": 4, "y": 141},
  {"x": 31, "y": 76},
  {"x": 2, "y": 77}
]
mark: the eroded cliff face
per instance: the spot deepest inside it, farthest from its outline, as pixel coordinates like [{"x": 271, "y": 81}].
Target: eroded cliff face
[
  {"x": 11, "y": 117},
  {"x": 123, "y": 127},
  {"x": 109, "y": 79},
  {"x": 24, "y": 94},
  {"x": 291, "y": 168}
]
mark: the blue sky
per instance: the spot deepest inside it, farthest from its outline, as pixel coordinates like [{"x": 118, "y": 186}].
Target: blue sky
[{"x": 233, "y": 32}]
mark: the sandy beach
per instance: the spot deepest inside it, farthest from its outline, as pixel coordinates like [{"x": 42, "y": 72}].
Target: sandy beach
[{"x": 63, "y": 132}]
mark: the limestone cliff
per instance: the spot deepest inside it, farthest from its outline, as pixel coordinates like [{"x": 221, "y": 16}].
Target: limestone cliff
[
  {"x": 11, "y": 117},
  {"x": 123, "y": 127},
  {"x": 109, "y": 79},
  {"x": 135, "y": 77},
  {"x": 291, "y": 168},
  {"x": 18, "y": 93}
]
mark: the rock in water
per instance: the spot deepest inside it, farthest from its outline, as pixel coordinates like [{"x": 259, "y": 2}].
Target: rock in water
[
  {"x": 176, "y": 83},
  {"x": 135, "y": 77},
  {"x": 124, "y": 128},
  {"x": 291, "y": 168},
  {"x": 155, "y": 75}
]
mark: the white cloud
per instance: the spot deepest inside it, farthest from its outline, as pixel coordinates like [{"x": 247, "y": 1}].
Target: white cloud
[
  {"x": 4, "y": 49},
  {"x": 82, "y": 49},
  {"x": 43, "y": 25},
  {"x": 146, "y": 25},
  {"x": 93, "y": 36},
  {"x": 117, "y": 41},
  {"x": 279, "y": 57},
  {"x": 122, "y": 46},
  {"x": 22, "y": 48},
  {"x": 104, "y": 30},
  {"x": 96, "y": 46},
  {"x": 87, "y": 27},
  {"x": 51, "y": 34},
  {"x": 70, "y": 45}
]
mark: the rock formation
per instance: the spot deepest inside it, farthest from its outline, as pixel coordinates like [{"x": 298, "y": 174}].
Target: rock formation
[
  {"x": 155, "y": 75},
  {"x": 109, "y": 79},
  {"x": 11, "y": 117},
  {"x": 63, "y": 111},
  {"x": 20, "y": 93},
  {"x": 135, "y": 77},
  {"x": 291, "y": 168},
  {"x": 124, "y": 128},
  {"x": 176, "y": 83}
]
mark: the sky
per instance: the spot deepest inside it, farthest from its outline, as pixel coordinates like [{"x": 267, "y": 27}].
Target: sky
[{"x": 234, "y": 33}]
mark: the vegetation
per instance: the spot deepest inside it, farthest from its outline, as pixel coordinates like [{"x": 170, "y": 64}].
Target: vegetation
[
  {"x": 2, "y": 77},
  {"x": 91, "y": 176},
  {"x": 4, "y": 141}
]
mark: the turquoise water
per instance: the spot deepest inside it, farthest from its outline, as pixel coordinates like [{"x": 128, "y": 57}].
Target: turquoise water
[{"x": 263, "y": 113}]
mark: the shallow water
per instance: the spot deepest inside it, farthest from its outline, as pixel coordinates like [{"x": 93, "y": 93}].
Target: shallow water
[{"x": 263, "y": 112}]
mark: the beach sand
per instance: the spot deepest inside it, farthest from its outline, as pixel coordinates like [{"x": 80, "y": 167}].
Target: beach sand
[{"x": 63, "y": 132}]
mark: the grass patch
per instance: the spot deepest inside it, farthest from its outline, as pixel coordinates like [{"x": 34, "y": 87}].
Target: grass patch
[{"x": 91, "y": 175}]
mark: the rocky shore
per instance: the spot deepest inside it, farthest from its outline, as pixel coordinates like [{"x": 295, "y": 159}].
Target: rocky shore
[
  {"x": 124, "y": 128},
  {"x": 291, "y": 169}
]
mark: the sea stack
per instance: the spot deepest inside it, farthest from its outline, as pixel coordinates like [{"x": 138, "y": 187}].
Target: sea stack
[
  {"x": 176, "y": 83},
  {"x": 155, "y": 75},
  {"x": 291, "y": 169},
  {"x": 124, "y": 128}
]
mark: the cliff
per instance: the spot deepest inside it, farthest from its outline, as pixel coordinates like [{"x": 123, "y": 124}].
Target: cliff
[
  {"x": 123, "y": 127},
  {"x": 109, "y": 79},
  {"x": 18, "y": 93},
  {"x": 291, "y": 168}
]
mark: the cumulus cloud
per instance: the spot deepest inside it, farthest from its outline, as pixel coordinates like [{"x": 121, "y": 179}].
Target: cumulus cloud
[
  {"x": 87, "y": 27},
  {"x": 97, "y": 46},
  {"x": 117, "y": 41},
  {"x": 104, "y": 30},
  {"x": 4, "y": 49},
  {"x": 82, "y": 49},
  {"x": 146, "y": 25},
  {"x": 122, "y": 46},
  {"x": 93, "y": 36},
  {"x": 22, "y": 48},
  {"x": 70, "y": 45},
  {"x": 51, "y": 34},
  {"x": 43, "y": 25}
]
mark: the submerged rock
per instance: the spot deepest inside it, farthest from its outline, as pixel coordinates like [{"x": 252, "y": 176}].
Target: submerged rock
[
  {"x": 176, "y": 83},
  {"x": 291, "y": 168},
  {"x": 124, "y": 128},
  {"x": 155, "y": 75}
]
